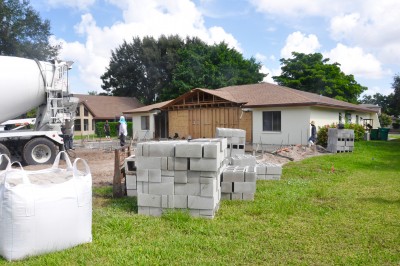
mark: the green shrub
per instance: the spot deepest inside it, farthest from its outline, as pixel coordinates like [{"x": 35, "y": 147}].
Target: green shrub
[
  {"x": 113, "y": 129},
  {"x": 385, "y": 120},
  {"x": 322, "y": 134}
]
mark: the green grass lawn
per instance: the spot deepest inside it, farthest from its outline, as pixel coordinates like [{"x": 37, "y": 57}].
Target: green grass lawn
[{"x": 312, "y": 216}]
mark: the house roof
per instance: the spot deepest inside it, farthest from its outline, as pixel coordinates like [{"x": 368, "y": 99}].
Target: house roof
[
  {"x": 147, "y": 108},
  {"x": 107, "y": 107},
  {"x": 268, "y": 94}
]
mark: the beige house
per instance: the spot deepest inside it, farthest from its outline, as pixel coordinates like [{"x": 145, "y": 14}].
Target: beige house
[
  {"x": 95, "y": 108},
  {"x": 269, "y": 113}
]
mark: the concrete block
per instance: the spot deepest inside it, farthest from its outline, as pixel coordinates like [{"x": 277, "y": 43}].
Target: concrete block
[
  {"x": 139, "y": 150},
  {"x": 162, "y": 149},
  {"x": 130, "y": 182},
  {"x": 189, "y": 150},
  {"x": 193, "y": 180},
  {"x": 261, "y": 169},
  {"x": 167, "y": 173},
  {"x": 161, "y": 188},
  {"x": 155, "y": 175},
  {"x": 182, "y": 164},
  {"x": 226, "y": 187},
  {"x": 144, "y": 210},
  {"x": 156, "y": 212},
  {"x": 148, "y": 163},
  {"x": 149, "y": 200},
  {"x": 250, "y": 177},
  {"x": 274, "y": 169},
  {"x": 207, "y": 190},
  {"x": 207, "y": 180},
  {"x": 211, "y": 150},
  {"x": 167, "y": 201},
  {"x": 145, "y": 149},
  {"x": 237, "y": 151},
  {"x": 142, "y": 175},
  {"x": 234, "y": 176},
  {"x": 181, "y": 201},
  {"x": 167, "y": 179},
  {"x": 207, "y": 212},
  {"x": 187, "y": 189},
  {"x": 131, "y": 192},
  {"x": 171, "y": 163},
  {"x": 244, "y": 187},
  {"x": 142, "y": 187},
  {"x": 201, "y": 203},
  {"x": 226, "y": 196},
  {"x": 236, "y": 196},
  {"x": 248, "y": 196},
  {"x": 181, "y": 177},
  {"x": 212, "y": 174},
  {"x": 272, "y": 177},
  {"x": 194, "y": 212},
  {"x": 164, "y": 163},
  {"x": 261, "y": 177},
  {"x": 204, "y": 164},
  {"x": 193, "y": 174}
]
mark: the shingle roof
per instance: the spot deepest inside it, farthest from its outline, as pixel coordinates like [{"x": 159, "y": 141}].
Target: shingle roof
[
  {"x": 147, "y": 108},
  {"x": 107, "y": 107},
  {"x": 267, "y": 94}
]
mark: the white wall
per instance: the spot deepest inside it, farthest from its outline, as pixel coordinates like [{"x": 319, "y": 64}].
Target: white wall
[
  {"x": 295, "y": 123},
  {"x": 137, "y": 123}
]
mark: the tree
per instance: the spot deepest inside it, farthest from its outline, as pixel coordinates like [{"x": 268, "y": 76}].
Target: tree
[
  {"x": 154, "y": 70},
  {"x": 211, "y": 67},
  {"x": 383, "y": 101},
  {"x": 23, "y": 33},
  {"x": 312, "y": 73},
  {"x": 395, "y": 101},
  {"x": 385, "y": 120},
  {"x": 142, "y": 68}
]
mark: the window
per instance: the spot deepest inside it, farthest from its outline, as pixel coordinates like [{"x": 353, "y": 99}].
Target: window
[
  {"x": 272, "y": 121},
  {"x": 145, "y": 122},
  {"x": 85, "y": 112},
  {"x": 86, "y": 124},
  {"x": 77, "y": 125},
  {"x": 78, "y": 111}
]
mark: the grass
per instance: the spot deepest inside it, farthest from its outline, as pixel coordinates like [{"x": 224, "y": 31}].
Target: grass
[{"x": 335, "y": 209}]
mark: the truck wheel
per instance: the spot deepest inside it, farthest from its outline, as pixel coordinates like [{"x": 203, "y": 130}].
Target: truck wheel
[
  {"x": 3, "y": 162},
  {"x": 39, "y": 151}
]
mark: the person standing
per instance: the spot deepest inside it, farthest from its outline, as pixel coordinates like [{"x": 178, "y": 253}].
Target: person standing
[
  {"x": 122, "y": 131},
  {"x": 313, "y": 138},
  {"x": 107, "y": 129}
]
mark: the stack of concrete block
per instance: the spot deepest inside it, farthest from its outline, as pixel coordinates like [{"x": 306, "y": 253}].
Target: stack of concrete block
[
  {"x": 340, "y": 140},
  {"x": 180, "y": 175},
  {"x": 130, "y": 176},
  {"x": 268, "y": 171},
  {"x": 236, "y": 139},
  {"x": 238, "y": 183},
  {"x": 243, "y": 160}
]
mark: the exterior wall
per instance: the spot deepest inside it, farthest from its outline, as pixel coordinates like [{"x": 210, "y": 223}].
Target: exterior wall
[
  {"x": 178, "y": 123},
  {"x": 295, "y": 123},
  {"x": 138, "y": 132},
  {"x": 85, "y": 130}
]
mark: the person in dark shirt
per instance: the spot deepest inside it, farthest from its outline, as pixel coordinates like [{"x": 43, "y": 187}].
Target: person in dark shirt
[{"x": 313, "y": 137}]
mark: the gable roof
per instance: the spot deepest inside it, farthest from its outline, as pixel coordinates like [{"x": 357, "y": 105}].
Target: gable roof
[
  {"x": 107, "y": 107},
  {"x": 147, "y": 108},
  {"x": 268, "y": 94}
]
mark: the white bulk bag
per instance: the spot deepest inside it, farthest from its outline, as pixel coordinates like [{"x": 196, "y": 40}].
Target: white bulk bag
[{"x": 44, "y": 211}]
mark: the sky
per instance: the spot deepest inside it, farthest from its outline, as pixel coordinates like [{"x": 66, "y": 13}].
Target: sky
[{"x": 363, "y": 36}]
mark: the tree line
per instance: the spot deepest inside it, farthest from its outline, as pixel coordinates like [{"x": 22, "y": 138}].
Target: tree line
[{"x": 155, "y": 70}]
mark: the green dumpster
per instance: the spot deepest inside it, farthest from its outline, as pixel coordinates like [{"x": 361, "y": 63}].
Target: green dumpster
[
  {"x": 374, "y": 134},
  {"x": 383, "y": 133}
]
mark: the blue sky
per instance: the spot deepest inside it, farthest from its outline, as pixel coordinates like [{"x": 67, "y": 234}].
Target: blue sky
[{"x": 362, "y": 35}]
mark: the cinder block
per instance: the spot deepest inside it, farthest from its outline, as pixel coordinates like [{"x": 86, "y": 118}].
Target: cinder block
[
  {"x": 130, "y": 181},
  {"x": 244, "y": 187},
  {"x": 139, "y": 150},
  {"x": 226, "y": 196},
  {"x": 233, "y": 176},
  {"x": 148, "y": 163},
  {"x": 193, "y": 174},
  {"x": 226, "y": 187},
  {"x": 261, "y": 169},
  {"x": 182, "y": 164},
  {"x": 145, "y": 149},
  {"x": 181, "y": 201},
  {"x": 207, "y": 190},
  {"x": 211, "y": 174},
  {"x": 142, "y": 187},
  {"x": 211, "y": 150},
  {"x": 131, "y": 192},
  {"x": 204, "y": 164},
  {"x": 155, "y": 175},
  {"x": 272, "y": 177},
  {"x": 167, "y": 173},
  {"x": 181, "y": 177},
  {"x": 261, "y": 177},
  {"x": 161, "y": 188},
  {"x": 236, "y": 196},
  {"x": 201, "y": 203},
  {"x": 142, "y": 175},
  {"x": 189, "y": 150},
  {"x": 149, "y": 200},
  {"x": 171, "y": 163},
  {"x": 157, "y": 212},
  {"x": 235, "y": 140},
  {"x": 250, "y": 177},
  {"x": 167, "y": 201},
  {"x": 247, "y": 196},
  {"x": 142, "y": 210},
  {"x": 207, "y": 180},
  {"x": 167, "y": 179},
  {"x": 164, "y": 163},
  {"x": 162, "y": 149},
  {"x": 274, "y": 169},
  {"x": 207, "y": 212},
  {"x": 195, "y": 180},
  {"x": 187, "y": 189}
]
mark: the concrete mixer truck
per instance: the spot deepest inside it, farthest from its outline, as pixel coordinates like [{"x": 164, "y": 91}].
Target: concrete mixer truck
[{"x": 26, "y": 84}]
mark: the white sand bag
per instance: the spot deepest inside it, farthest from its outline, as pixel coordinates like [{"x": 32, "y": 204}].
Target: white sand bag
[{"x": 44, "y": 211}]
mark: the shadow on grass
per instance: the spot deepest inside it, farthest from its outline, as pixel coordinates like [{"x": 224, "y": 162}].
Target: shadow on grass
[
  {"x": 103, "y": 196},
  {"x": 381, "y": 201}
]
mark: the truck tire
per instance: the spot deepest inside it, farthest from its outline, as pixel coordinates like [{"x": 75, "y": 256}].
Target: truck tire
[
  {"x": 3, "y": 162},
  {"x": 39, "y": 151}
]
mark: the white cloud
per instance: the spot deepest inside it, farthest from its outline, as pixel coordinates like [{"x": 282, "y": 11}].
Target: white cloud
[
  {"x": 141, "y": 18},
  {"x": 353, "y": 60},
  {"x": 78, "y": 4},
  {"x": 299, "y": 42},
  {"x": 260, "y": 57},
  {"x": 271, "y": 73}
]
